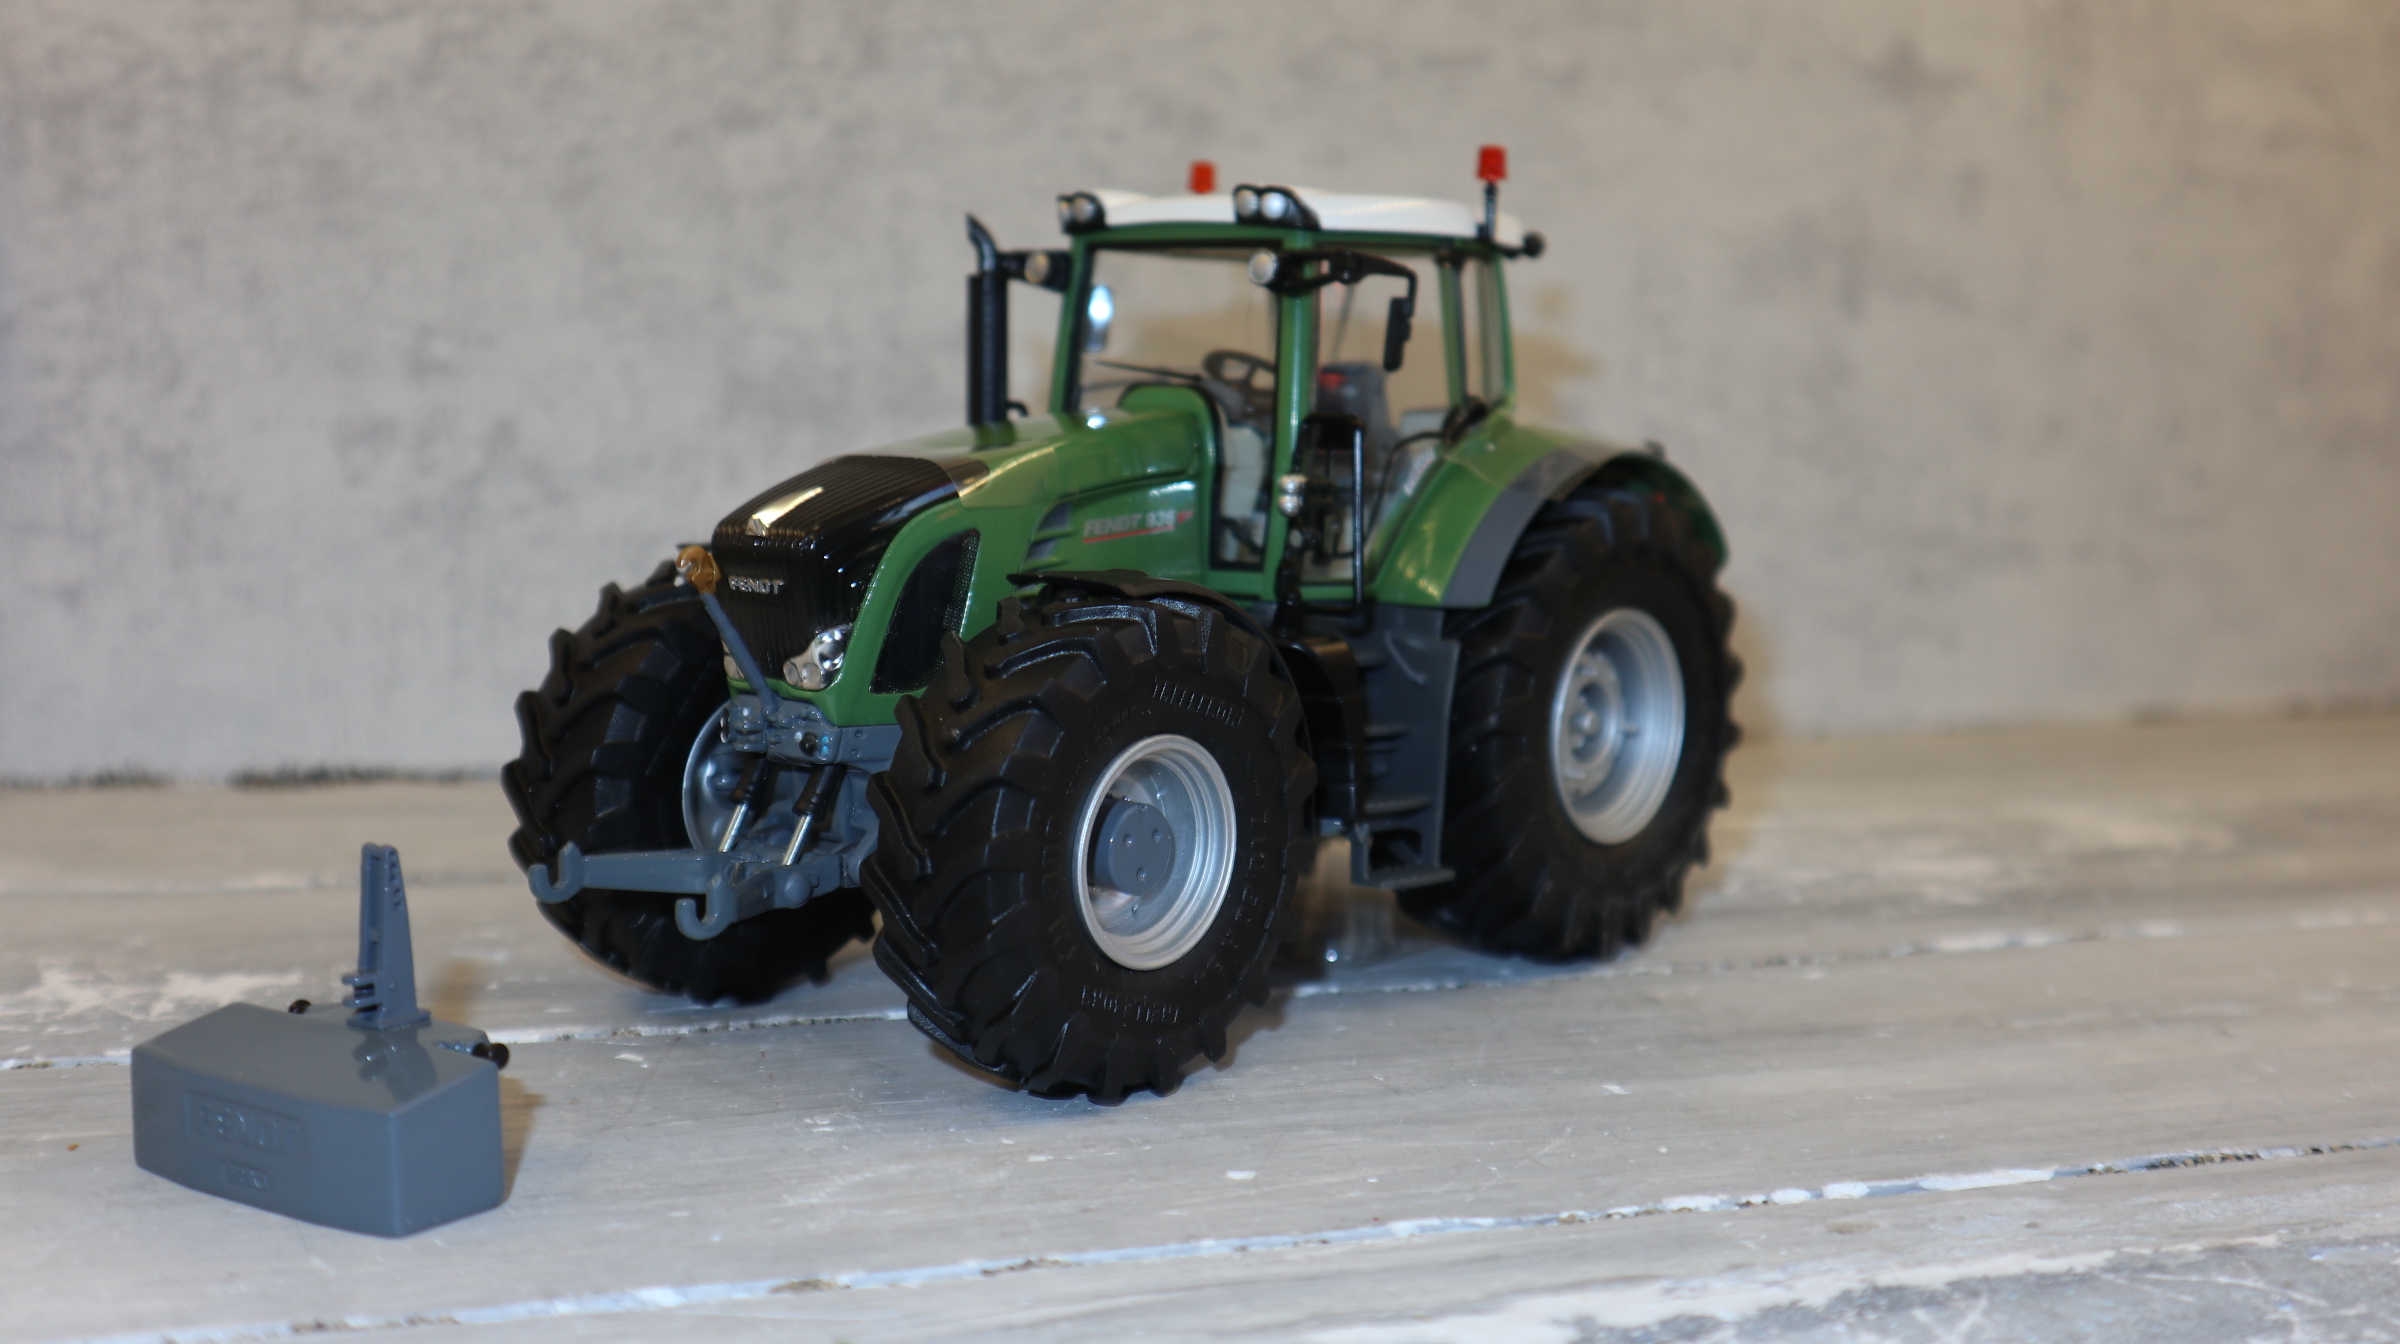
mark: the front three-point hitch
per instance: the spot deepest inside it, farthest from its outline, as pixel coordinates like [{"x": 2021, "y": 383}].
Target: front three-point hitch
[{"x": 761, "y": 857}]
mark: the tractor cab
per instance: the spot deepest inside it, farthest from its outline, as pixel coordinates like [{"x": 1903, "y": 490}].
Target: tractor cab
[{"x": 1291, "y": 318}]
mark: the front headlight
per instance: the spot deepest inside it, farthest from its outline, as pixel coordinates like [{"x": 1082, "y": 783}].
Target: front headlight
[{"x": 816, "y": 669}]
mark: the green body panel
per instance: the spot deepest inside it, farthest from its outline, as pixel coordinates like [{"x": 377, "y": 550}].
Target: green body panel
[
  {"x": 1123, "y": 491},
  {"x": 1129, "y": 488},
  {"x": 1422, "y": 545},
  {"x": 1417, "y": 554}
]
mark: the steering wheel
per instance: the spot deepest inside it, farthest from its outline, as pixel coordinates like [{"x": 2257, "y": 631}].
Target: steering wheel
[
  {"x": 1236, "y": 377},
  {"x": 1214, "y": 365}
]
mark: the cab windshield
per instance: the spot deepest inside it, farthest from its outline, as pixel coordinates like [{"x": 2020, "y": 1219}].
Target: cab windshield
[{"x": 1190, "y": 316}]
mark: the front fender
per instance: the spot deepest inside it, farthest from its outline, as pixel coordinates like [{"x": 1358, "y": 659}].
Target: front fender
[{"x": 1449, "y": 549}]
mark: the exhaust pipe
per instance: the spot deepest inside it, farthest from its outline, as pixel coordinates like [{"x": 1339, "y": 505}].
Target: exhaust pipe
[
  {"x": 987, "y": 330},
  {"x": 987, "y": 318}
]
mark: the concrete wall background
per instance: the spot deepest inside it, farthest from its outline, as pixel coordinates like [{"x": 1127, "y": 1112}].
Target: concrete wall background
[{"x": 2043, "y": 357}]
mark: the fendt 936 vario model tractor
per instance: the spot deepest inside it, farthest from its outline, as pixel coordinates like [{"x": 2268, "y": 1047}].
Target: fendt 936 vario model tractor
[{"x": 1069, "y": 698}]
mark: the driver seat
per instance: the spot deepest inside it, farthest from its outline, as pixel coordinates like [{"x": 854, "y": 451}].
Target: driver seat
[{"x": 1355, "y": 387}]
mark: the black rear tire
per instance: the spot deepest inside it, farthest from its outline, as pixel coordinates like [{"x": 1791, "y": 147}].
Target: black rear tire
[
  {"x": 974, "y": 872},
  {"x": 1535, "y": 885},
  {"x": 605, "y": 740}
]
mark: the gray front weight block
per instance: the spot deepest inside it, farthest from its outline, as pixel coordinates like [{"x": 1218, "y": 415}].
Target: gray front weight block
[
  {"x": 385, "y": 1122},
  {"x": 388, "y": 1132}
]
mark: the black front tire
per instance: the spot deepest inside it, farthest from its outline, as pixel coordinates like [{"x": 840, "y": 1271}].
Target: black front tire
[
  {"x": 1533, "y": 884},
  {"x": 605, "y": 740},
  {"x": 974, "y": 872}
]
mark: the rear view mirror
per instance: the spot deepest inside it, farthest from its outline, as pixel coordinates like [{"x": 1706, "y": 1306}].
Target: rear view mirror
[{"x": 1395, "y": 333}]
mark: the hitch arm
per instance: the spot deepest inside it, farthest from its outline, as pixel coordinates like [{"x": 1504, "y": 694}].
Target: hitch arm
[
  {"x": 695, "y": 566},
  {"x": 714, "y": 890}
]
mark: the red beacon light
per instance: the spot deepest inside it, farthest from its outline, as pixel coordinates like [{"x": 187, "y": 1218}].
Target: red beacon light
[
  {"x": 1491, "y": 167},
  {"x": 1204, "y": 177}
]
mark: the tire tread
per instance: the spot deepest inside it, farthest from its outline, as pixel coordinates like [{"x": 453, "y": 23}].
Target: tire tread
[
  {"x": 1518, "y": 898},
  {"x": 604, "y": 737},
  {"x": 959, "y": 855}
]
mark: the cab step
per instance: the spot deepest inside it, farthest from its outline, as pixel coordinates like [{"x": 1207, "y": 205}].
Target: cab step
[{"x": 1408, "y": 877}]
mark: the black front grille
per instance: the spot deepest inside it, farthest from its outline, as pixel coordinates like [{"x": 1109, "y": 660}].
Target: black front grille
[
  {"x": 808, "y": 569},
  {"x": 932, "y": 604}
]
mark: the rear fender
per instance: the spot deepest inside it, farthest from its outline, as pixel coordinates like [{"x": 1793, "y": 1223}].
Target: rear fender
[{"x": 1449, "y": 549}]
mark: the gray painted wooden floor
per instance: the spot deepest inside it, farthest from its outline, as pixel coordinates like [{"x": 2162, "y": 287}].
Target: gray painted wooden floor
[{"x": 2045, "y": 1035}]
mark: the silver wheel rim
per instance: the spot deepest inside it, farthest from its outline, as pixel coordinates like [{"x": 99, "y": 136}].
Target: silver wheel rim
[
  {"x": 710, "y": 771},
  {"x": 1616, "y": 725},
  {"x": 1177, "y": 777}
]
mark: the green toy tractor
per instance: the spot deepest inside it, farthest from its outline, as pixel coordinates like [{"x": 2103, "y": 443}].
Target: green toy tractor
[{"x": 1069, "y": 699}]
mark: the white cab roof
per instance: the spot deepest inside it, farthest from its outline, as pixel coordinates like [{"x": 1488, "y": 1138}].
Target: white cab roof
[{"x": 1337, "y": 212}]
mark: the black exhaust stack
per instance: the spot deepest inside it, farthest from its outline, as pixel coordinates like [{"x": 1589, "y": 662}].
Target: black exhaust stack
[
  {"x": 987, "y": 330},
  {"x": 987, "y": 318}
]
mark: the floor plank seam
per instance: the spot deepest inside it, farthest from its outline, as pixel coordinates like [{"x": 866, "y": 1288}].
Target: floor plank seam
[
  {"x": 18, "y": 1062},
  {"x": 648, "y": 1030},
  {"x": 670, "y": 1298},
  {"x": 2308, "y": 921},
  {"x": 538, "y": 1035},
  {"x": 2018, "y": 940},
  {"x": 269, "y": 884}
]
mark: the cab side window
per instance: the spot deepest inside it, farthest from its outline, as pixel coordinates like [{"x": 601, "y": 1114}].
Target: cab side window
[
  {"x": 1487, "y": 360},
  {"x": 1403, "y": 409},
  {"x": 1351, "y": 380}
]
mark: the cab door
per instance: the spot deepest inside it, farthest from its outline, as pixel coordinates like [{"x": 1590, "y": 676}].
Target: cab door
[{"x": 1415, "y": 411}]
